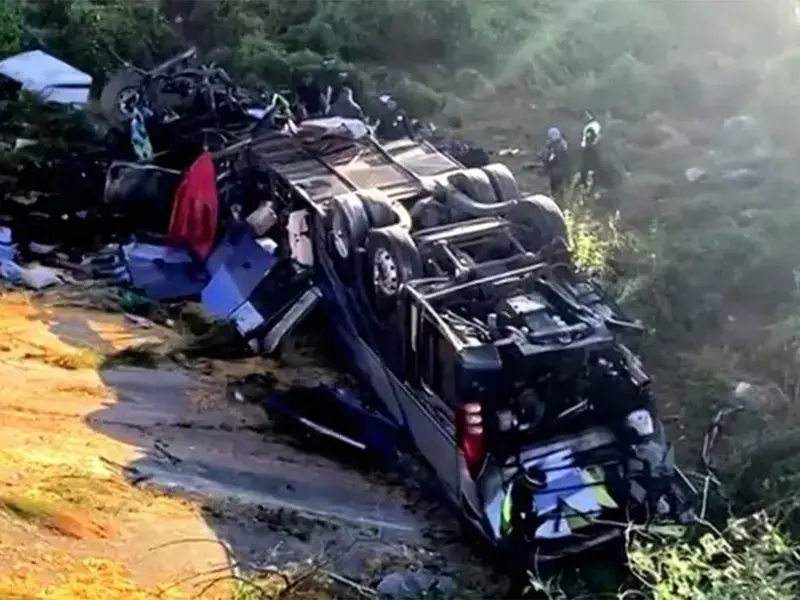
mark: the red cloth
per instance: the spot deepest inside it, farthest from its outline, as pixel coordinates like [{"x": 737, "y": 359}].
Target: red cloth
[{"x": 195, "y": 209}]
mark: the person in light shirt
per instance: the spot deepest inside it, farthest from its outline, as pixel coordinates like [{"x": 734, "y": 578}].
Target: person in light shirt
[
  {"x": 556, "y": 161},
  {"x": 590, "y": 161}
]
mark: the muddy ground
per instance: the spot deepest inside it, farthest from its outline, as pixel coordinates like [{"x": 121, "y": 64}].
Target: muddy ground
[{"x": 123, "y": 482}]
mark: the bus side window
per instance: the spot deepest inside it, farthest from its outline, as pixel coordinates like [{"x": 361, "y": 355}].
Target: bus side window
[
  {"x": 446, "y": 357},
  {"x": 428, "y": 365},
  {"x": 437, "y": 362},
  {"x": 413, "y": 348}
]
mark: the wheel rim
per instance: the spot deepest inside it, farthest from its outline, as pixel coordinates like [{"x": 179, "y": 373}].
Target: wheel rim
[{"x": 385, "y": 274}]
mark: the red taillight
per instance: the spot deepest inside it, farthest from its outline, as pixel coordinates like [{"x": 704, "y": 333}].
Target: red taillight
[{"x": 469, "y": 429}]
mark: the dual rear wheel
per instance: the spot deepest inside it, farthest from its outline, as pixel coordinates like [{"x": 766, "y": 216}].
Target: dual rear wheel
[{"x": 381, "y": 257}]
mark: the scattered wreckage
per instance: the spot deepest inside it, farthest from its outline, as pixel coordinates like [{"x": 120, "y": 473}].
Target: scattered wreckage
[
  {"x": 453, "y": 298},
  {"x": 163, "y": 117},
  {"x": 180, "y": 102}
]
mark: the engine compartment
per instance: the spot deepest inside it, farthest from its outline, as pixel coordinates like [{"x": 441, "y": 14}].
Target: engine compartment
[{"x": 564, "y": 392}]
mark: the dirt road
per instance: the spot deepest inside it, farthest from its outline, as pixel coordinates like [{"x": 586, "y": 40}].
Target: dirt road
[{"x": 87, "y": 454}]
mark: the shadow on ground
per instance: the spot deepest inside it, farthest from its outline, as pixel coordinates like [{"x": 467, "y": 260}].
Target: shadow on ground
[{"x": 270, "y": 498}]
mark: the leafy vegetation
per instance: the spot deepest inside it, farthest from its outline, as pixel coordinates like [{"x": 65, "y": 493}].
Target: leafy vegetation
[
  {"x": 712, "y": 267},
  {"x": 750, "y": 559}
]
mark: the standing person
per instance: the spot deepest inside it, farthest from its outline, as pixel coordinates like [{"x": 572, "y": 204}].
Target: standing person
[
  {"x": 590, "y": 160},
  {"x": 332, "y": 79},
  {"x": 393, "y": 122},
  {"x": 310, "y": 98},
  {"x": 335, "y": 87},
  {"x": 346, "y": 107},
  {"x": 329, "y": 79},
  {"x": 518, "y": 521},
  {"x": 556, "y": 161}
]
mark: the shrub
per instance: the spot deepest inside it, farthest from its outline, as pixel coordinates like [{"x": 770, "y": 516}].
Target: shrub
[
  {"x": 751, "y": 559},
  {"x": 262, "y": 59},
  {"x": 10, "y": 27},
  {"x": 85, "y": 33},
  {"x": 417, "y": 98}
]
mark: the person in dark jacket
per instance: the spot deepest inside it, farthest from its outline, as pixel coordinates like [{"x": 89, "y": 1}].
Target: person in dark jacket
[
  {"x": 556, "y": 161},
  {"x": 518, "y": 520},
  {"x": 310, "y": 97},
  {"x": 338, "y": 82},
  {"x": 332, "y": 79},
  {"x": 518, "y": 511},
  {"x": 346, "y": 107},
  {"x": 393, "y": 123}
]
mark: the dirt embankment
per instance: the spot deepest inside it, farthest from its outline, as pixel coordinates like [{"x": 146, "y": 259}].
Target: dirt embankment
[{"x": 70, "y": 524}]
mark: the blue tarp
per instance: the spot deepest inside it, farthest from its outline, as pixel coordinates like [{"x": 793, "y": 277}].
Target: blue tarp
[
  {"x": 163, "y": 273},
  {"x": 9, "y": 270},
  {"x": 8, "y": 250}
]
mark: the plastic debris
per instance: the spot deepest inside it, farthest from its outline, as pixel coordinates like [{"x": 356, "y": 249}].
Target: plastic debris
[
  {"x": 10, "y": 271},
  {"x": 39, "y": 277},
  {"x": 35, "y": 277},
  {"x": 8, "y": 250},
  {"x": 49, "y": 77}
]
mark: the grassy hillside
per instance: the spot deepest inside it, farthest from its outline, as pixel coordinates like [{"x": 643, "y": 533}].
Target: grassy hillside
[{"x": 712, "y": 266}]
